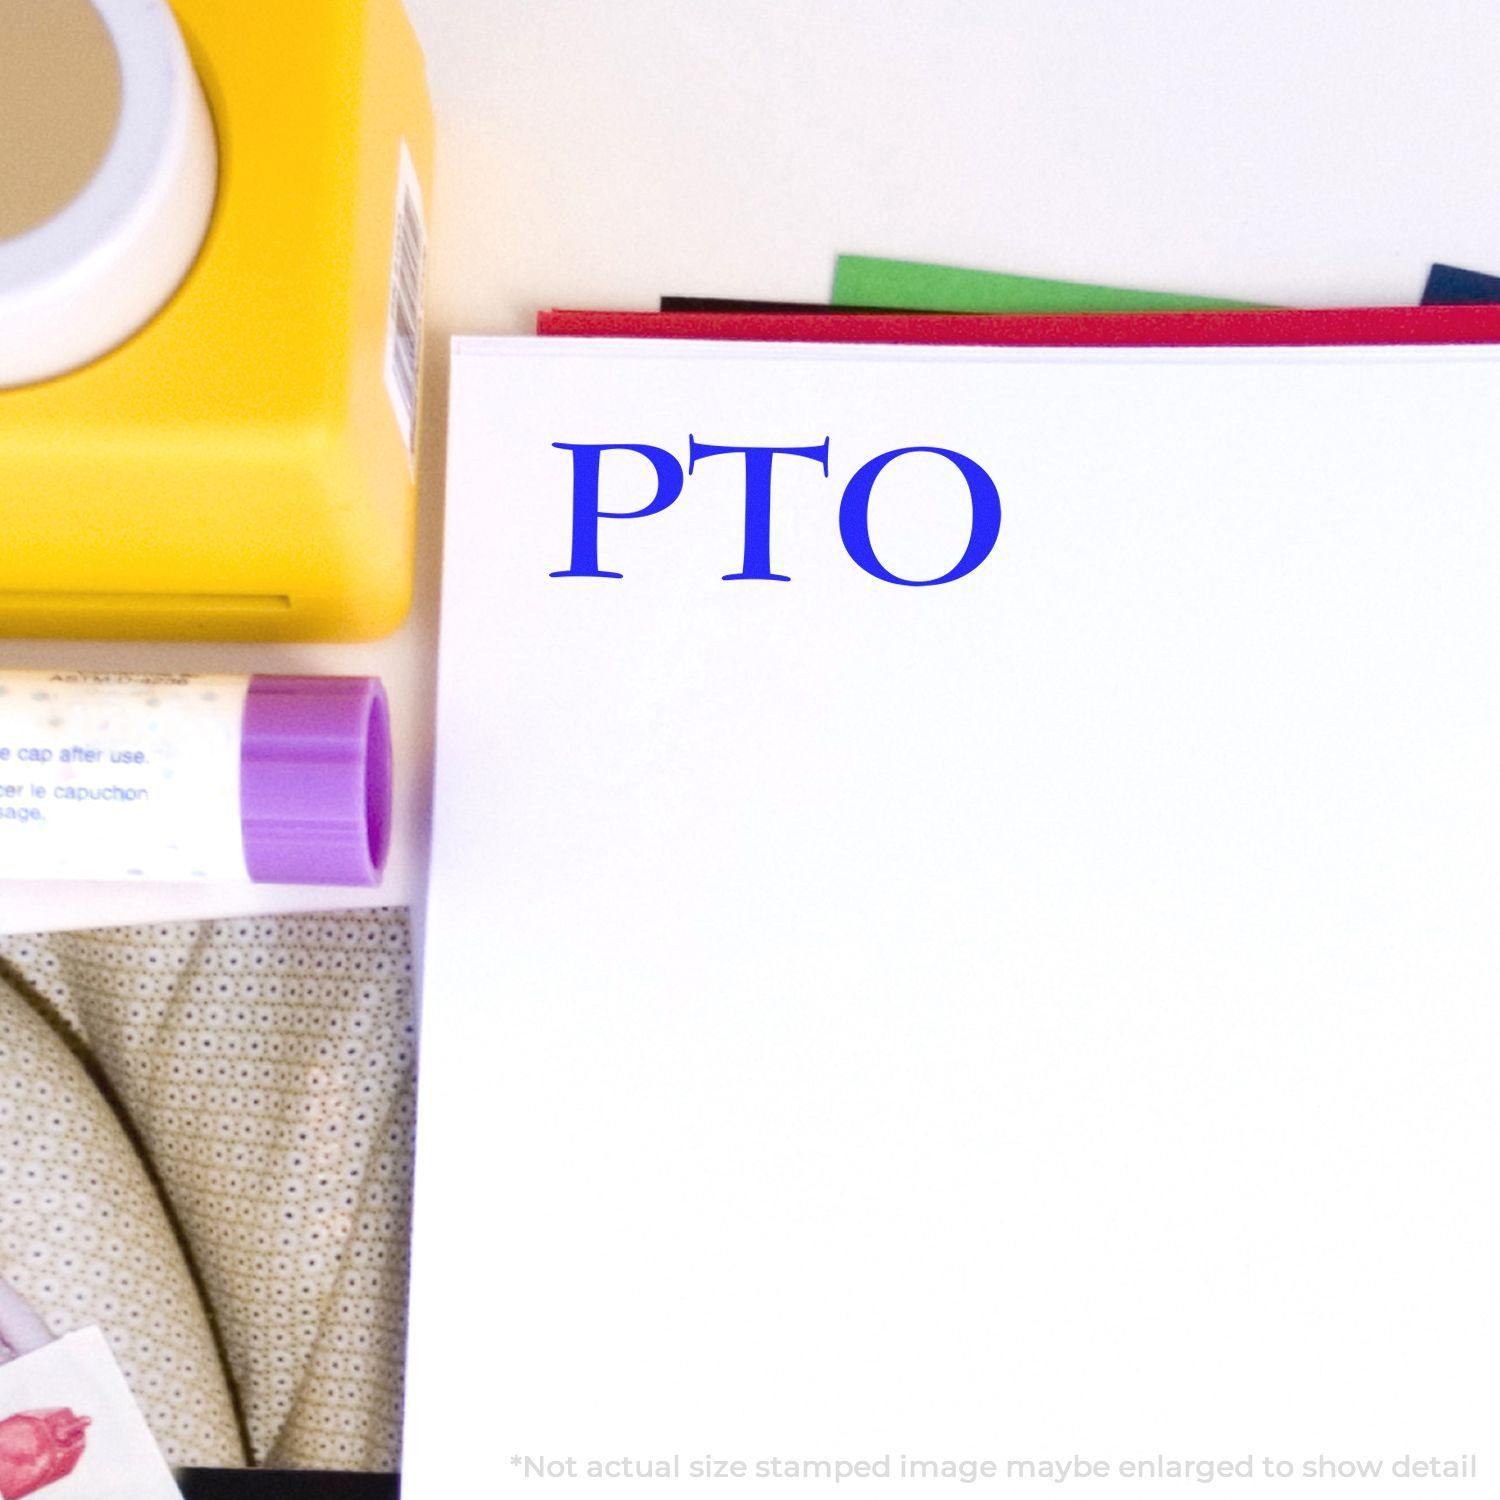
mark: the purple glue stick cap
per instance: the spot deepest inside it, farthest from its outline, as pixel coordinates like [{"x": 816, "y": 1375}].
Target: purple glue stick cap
[{"x": 315, "y": 780}]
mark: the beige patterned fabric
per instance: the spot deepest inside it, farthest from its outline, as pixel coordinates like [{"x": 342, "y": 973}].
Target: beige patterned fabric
[
  {"x": 84, "y": 1237},
  {"x": 261, "y": 1073}
]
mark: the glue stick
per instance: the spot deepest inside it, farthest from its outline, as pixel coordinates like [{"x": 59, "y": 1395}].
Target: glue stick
[{"x": 125, "y": 776}]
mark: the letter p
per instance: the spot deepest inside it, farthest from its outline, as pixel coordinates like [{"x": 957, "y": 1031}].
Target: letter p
[{"x": 586, "y": 512}]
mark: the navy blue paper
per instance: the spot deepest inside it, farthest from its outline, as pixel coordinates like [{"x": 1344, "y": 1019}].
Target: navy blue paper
[{"x": 1452, "y": 286}]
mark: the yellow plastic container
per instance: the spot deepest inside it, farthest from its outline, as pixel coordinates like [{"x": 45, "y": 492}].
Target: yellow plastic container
[{"x": 241, "y": 468}]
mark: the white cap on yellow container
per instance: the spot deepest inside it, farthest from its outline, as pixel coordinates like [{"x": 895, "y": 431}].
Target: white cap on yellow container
[{"x": 108, "y": 171}]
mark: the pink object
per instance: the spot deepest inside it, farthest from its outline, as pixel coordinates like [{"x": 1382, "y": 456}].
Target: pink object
[
  {"x": 37, "y": 1448},
  {"x": 315, "y": 780}
]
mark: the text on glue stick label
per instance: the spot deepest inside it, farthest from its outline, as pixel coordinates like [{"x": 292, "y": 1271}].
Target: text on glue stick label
[{"x": 116, "y": 776}]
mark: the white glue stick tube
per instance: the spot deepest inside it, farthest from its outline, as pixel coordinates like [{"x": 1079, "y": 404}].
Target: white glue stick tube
[{"x": 122, "y": 776}]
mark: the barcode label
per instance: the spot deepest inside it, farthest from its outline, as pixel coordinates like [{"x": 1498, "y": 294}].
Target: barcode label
[{"x": 403, "y": 341}]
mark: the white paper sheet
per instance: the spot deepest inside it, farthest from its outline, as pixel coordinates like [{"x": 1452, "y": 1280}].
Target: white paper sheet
[
  {"x": 1045, "y": 1017},
  {"x": 70, "y": 1426}
]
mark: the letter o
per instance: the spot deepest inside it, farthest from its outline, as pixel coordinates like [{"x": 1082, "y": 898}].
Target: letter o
[{"x": 854, "y": 517}]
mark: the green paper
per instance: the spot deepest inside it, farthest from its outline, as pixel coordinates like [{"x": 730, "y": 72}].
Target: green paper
[{"x": 868, "y": 281}]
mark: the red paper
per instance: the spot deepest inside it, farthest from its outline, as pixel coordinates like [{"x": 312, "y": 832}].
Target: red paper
[{"x": 1269, "y": 327}]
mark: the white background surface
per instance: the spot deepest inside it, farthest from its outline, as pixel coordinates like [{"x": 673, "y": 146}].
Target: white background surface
[
  {"x": 1049, "y": 1014},
  {"x": 602, "y": 153}
]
